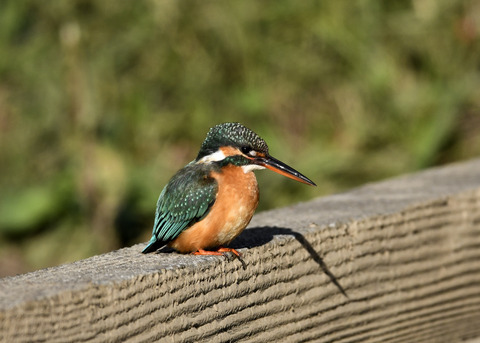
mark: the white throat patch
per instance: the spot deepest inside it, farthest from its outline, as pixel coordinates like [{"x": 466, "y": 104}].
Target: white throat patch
[{"x": 251, "y": 167}]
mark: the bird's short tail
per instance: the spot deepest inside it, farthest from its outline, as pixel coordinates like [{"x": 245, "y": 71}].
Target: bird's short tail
[{"x": 153, "y": 245}]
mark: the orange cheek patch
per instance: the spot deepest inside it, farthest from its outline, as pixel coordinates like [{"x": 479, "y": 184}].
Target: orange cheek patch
[{"x": 229, "y": 151}]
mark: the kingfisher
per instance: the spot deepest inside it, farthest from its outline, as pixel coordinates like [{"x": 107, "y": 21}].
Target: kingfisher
[{"x": 209, "y": 202}]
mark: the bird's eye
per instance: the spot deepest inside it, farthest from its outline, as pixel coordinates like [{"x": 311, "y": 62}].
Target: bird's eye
[
  {"x": 249, "y": 151},
  {"x": 246, "y": 150}
]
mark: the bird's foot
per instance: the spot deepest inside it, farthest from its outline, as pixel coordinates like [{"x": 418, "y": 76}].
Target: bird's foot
[
  {"x": 219, "y": 252},
  {"x": 207, "y": 252},
  {"x": 233, "y": 251}
]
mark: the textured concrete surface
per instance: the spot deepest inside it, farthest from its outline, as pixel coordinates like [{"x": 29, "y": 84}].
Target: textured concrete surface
[{"x": 394, "y": 261}]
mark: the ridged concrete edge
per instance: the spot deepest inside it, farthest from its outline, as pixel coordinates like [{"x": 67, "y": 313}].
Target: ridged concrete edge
[{"x": 394, "y": 261}]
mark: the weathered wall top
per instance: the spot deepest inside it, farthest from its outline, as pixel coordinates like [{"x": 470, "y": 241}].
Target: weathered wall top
[{"x": 391, "y": 261}]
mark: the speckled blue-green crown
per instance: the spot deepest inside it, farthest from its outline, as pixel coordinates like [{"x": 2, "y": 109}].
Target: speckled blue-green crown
[{"x": 231, "y": 134}]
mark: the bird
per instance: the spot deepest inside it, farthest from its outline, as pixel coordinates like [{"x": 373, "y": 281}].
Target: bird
[{"x": 211, "y": 200}]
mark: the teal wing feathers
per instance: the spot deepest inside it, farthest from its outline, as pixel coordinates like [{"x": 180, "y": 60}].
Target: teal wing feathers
[{"x": 185, "y": 200}]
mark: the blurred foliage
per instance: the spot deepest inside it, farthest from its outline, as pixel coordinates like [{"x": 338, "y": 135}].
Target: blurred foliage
[{"x": 102, "y": 101}]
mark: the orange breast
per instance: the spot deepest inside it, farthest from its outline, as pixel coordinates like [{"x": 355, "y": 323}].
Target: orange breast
[{"x": 236, "y": 201}]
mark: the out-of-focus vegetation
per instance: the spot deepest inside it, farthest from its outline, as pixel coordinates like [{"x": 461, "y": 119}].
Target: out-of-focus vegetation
[{"x": 102, "y": 101}]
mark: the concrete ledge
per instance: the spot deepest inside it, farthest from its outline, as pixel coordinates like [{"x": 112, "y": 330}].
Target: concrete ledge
[{"x": 395, "y": 261}]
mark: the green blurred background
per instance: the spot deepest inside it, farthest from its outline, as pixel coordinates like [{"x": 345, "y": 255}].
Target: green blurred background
[{"x": 102, "y": 101}]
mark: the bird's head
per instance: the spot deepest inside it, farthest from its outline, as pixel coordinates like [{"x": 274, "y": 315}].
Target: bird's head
[{"x": 233, "y": 143}]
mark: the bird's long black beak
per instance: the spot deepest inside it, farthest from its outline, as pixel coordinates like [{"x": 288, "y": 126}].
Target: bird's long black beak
[{"x": 281, "y": 168}]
